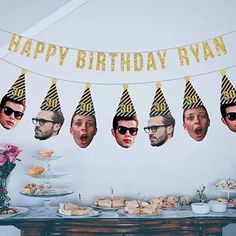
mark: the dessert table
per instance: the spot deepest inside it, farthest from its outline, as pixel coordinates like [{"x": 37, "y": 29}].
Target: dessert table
[{"x": 176, "y": 221}]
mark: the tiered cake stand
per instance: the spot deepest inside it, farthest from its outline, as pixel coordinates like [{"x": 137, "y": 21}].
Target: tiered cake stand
[
  {"x": 228, "y": 191},
  {"x": 48, "y": 191}
]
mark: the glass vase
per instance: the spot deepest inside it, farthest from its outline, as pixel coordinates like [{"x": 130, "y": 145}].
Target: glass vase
[{"x": 4, "y": 198}]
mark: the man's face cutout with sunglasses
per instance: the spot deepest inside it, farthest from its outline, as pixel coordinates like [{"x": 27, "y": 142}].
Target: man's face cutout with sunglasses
[
  {"x": 230, "y": 118},
  {"x": 11, "y": 114},
  {"x": 125, "y": 133}
]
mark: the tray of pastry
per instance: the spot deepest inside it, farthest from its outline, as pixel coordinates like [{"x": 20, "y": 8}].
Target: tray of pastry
[
  {"x": 46, "y": 155},
  {"x": 46, "y": 158},
  {"x": 40, "y": 172},
  {"x": 40, "y": 190},
  {"x": 12, "y": 211},
  {"x": 226, "y": 185}
]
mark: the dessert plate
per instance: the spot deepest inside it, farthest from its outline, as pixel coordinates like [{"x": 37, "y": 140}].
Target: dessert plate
[
  {"x": 49, "y": 193},
  {"x": 230, "y": 190},
  {"x": 39, "y": 157},
  {"x": 123, "y": 213},
  {"x": 93, "y": 213},
  {"x": 20, "y": 210},
  {"x": 46, "y": 175},
  {"x": 105, "y": 208}
]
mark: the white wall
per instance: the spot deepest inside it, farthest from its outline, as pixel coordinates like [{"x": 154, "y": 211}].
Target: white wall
[{"x": 180, "y": 166}]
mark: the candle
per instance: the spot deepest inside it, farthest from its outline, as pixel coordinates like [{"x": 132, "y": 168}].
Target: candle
[{"x": 112, "y": 193}]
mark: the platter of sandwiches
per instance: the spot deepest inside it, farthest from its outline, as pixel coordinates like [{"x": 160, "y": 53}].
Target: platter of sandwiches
[
  {"x": 137, "y": 208},
  {"x": 76, "y": 211},
  {"x": 153, "y": 207},
  {"x": 108, "y": 204}
]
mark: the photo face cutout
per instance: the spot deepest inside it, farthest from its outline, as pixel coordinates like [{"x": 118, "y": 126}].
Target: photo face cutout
[
  {"x": 160, "y": 129},
  {"x": 11, "y": 114},
  {"x": 230, "y": 117},
  {"x": 125, "y": 132},
  {"x": 47, "y": 124},
  {"x": 196, "y": 122},
  {"x": 83, "y": 129}
]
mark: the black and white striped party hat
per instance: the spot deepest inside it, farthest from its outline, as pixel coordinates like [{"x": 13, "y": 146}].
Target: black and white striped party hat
[
  {"x": 85, "y": 106},
  {"x": 191, "y": 98},
  {"x": 125, "y": 107},
  {"x": 228, "y": 92},
  {"x": 17, "y": 90},
  {"x": 159, "y": 105},
  {"x": 51, "y": 101}
]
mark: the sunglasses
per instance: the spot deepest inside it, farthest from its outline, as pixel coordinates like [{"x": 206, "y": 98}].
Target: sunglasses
[
  {"x": 231, "y": 115},
  {"x": 17, "y": 114},
  {"x": 153, "y": 128},
  {"x": 122, "y": 130},
  {"x": 41, "y": 122}
]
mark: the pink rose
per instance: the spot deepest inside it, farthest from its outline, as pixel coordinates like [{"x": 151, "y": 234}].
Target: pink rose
[
  {"x": 2, "y": 160},
  {"x": 15, "y": 149},
  {"x": 11, "y": 156},
  {"x": 9, "y": 153}
]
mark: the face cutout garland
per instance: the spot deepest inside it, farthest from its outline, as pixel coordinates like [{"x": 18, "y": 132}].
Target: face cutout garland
[
  {"x": 50, "y": 119},
  {"x": 83, "y": 122},
  {"x": 195, "y": 116},
  {"x": 160, "y": 127},
  {"x": 125, "y": 122},
  {"x": 12, "y": 105}
]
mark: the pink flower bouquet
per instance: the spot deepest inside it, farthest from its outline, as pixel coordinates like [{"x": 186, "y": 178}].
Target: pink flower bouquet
[{"x": 8, "y": 157}]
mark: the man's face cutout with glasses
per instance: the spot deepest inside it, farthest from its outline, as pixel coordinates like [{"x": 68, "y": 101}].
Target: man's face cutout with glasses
[
  {"x": 157, "y": 131},
  {"x": 45, "y": 126}
]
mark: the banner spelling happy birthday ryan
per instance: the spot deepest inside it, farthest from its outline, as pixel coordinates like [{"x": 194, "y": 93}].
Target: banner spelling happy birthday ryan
[{"x": 118, "y": 61}]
